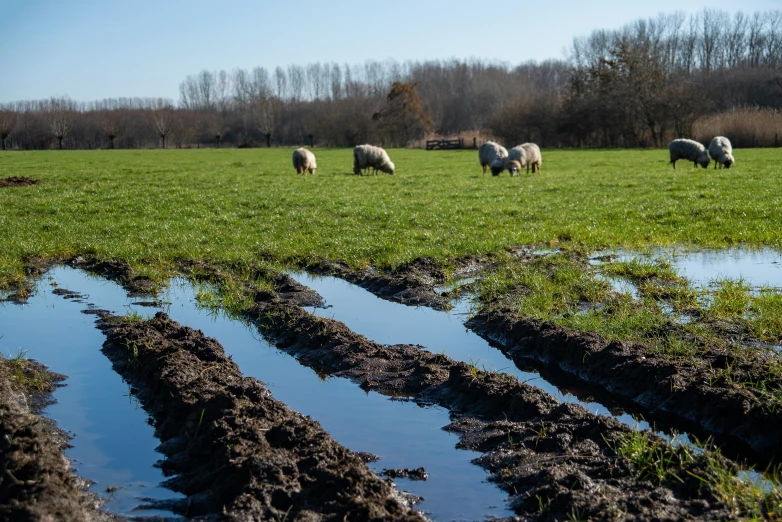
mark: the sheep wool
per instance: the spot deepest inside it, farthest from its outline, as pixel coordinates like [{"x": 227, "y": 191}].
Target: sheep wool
[
  {"x": 721, "y": 151},
  {"x": 369, "y": 156},
  {"x": 689, "y": 150},
  {"x": 528, "y": 155},
  {"x": 304, "y": 161},
  {"x": 489, "y": 152}
]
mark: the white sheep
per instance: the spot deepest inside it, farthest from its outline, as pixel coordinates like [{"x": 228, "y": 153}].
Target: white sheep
[
  {"x": 688, "y": 150},
  {"x": 527, "y": 155},
  {"x": 366, "y": 156},
  {"x": 489, "y": 152},
  {"x": 721, "y": 151},
  {"x": 304, "y": 161}
]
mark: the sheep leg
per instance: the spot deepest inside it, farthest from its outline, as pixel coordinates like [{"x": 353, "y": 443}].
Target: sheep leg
[{"x": 484, "y": 168}]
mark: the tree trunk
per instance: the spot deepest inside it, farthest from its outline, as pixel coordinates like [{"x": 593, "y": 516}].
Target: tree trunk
[
  {"x": 59, "y": 138},
  {"x": 111, "y": 142},
  {"x": 268, "y": 140},
  {"x": 2, "y": 139},
  {"x": 163, "y": 140}
]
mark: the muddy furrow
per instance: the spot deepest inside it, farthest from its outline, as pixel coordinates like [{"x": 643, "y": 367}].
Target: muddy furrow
[
  {"x": 238, "y": 453},
  {"x": 556, "y": 460},
  {"x": 724, "y": 409},
  {"x": 36, "y": 482}
]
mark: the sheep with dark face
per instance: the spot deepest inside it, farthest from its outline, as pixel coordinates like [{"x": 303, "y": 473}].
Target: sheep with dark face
[
  {"x": 489, "y": 152},
  {"x": 369, "y": 156},
  {"x": 689, "y": 150},
  {"x": 721, "y": 151},
  {"x": 304, "y": 161},
  {"x": 497, "y": 166}
]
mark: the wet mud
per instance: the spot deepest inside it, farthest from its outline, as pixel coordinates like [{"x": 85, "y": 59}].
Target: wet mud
[
  {"x": 536, "y": 449},
  {"x": 18, "y": 181},
  {"x": 695, "y": 393},
  {"x": 36, "y": 481},
  {"x": 238, "y": 453},
  {"x": 411, "y": 283}
]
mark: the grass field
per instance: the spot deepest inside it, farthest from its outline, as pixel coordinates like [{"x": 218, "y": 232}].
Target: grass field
[{"x": 156, "y": 207}]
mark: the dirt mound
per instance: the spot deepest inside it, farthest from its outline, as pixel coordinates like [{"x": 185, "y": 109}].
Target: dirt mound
[
  {"x": 117, "y": 270},
  {"x": 235, "y": 450},
  {"x": 18, "y": 181}
]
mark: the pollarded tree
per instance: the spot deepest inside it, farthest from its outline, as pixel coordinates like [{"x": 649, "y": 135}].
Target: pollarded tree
[
  {"x": 61, "y": 116},
  {"x": 7, "y": 124},
  {"x": 163, "y": 120}
]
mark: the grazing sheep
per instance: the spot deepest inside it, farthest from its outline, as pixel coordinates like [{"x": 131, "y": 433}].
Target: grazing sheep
[
  {"x": 513, "y": 166},
  {"x": 366, "y": 156},
  {"x": 721, "y": 151},
  {"x": 528, "y": 155},
  {"x": 304, "y": 161},
  {"x": 489, "y": 152},
  {"x": 688, "y": 150},
  {"x": 497, "y": 166}
]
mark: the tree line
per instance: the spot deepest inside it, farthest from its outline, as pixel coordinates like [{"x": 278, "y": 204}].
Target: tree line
[{"x": 642, "y": 85}]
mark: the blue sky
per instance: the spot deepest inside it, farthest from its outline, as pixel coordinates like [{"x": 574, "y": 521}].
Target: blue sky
[{"x": 94, "y": 49}]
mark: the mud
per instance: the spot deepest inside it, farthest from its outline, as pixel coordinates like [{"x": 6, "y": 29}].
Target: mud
[
  {"x": 412, "y": 474},
  {"x": 36, "y": 482},
  {"x": 411, "y": 283},
  {"x": 18, "y": 181},
  {"x": 696, "y": 393},
  {"x": 533, "y": 446},
  {"x": 238, "y": 453}
]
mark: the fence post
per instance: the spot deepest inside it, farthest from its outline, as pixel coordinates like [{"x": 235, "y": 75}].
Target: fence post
[{"x": 474, "y": 142}]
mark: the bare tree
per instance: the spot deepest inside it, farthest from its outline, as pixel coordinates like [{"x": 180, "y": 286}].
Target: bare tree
[
  {"x": 163, "y": 119},
  {"x": 267, "y": 110},
  {"x": 61, "y": 116},
  {"x": 7, "y": 124}
]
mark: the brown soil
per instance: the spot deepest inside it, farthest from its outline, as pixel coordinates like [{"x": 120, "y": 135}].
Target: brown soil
[
  {"x": 36, "y": 482},
  {"x": 726, "y": 410},
  {"x": 18, "y": 181},
  {"x": 410, "y": 283},
  {"x": 532, "y": 445},
  {"x": 235, "y": 450}
]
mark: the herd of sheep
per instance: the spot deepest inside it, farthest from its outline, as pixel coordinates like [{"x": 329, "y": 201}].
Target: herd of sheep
[
  {"x": 497, "y": 158},
  {"x": 720, "y": 150}
]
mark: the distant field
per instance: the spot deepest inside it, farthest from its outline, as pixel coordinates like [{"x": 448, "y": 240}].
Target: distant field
[{"x": 155, "y": 207}]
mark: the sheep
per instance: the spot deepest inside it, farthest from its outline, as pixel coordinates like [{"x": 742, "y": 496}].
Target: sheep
[
  {"x": 365, "y": 156},
  {"x": 527, "y": 155},
  {"x": 513, "y": 166},
  {"x": 489, "y": 152},
  {"x": 721, "y": 151},
  {"x": 304, "y": 161},
  {"x": 688, "y": 150},
  {"x": 497, "y": 166}
]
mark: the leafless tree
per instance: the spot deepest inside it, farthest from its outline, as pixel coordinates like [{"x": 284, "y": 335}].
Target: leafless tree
[
  {"x": 61, "y": 115},
  {"x": 162, "y": 113},
  {"x": 7, "y": 123}
]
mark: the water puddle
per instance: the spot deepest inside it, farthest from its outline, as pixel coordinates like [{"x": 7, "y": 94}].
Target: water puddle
[
  {"x": 403, "y": 434},
  {"x": 115, "y": 446},
  {"x": 387, "y": 322},
  {"x": 757, "y": 268}
]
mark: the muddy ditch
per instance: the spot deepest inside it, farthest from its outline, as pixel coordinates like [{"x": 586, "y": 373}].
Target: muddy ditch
[
  {"x": 536, "y": 448},
  {"x": 36, "y": 482},
  {"x": 235, "y": 449}
]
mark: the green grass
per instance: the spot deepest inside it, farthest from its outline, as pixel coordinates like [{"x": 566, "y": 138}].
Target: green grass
[
  {"x": 157, "y": 207},
  {"x": 747, "y": 497}
]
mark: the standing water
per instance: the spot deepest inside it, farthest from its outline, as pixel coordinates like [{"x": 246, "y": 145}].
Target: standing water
[{"x": 114, "y": 445}]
